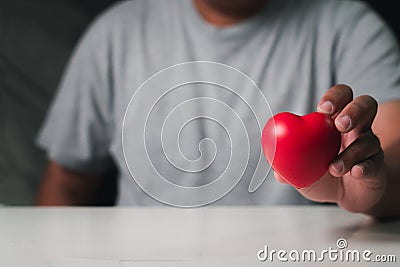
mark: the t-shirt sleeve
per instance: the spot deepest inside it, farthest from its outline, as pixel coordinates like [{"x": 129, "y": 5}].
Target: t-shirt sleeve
[
  {"x": 367, "y": 55},
  {"x": 76, "y": 132}
]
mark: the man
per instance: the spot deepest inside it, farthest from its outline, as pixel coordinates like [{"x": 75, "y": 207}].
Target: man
[{"x": 294, "y": 51}]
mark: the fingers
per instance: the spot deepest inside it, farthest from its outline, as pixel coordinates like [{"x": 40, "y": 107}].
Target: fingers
[
  {"x": 349, "y": 114},
  {"x": 369, "y": 168},
  {"x": 359, "y": 115},
  {"x": 335, "y": 99},
  {"x": 358, "y": 153}
]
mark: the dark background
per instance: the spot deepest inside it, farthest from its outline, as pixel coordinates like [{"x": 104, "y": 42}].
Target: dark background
[{"x": 36, "y": 39}]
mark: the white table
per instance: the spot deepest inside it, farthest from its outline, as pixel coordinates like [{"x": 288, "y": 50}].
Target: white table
[{"x": 210, "y": 236}]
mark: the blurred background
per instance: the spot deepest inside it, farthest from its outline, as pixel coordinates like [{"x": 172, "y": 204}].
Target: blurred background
[{"x": 36, "y": 40}]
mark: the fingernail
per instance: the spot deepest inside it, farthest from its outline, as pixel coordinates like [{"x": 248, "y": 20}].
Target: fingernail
[
  {"x": 326, "y": 107},
  {"x": 344, "y": 122},
  {"x": 338, "y": 166},
  {"x": 361, "y": 169}
]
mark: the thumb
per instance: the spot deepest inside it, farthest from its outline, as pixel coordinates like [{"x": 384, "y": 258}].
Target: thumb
[{"x": 280, "y": 178}]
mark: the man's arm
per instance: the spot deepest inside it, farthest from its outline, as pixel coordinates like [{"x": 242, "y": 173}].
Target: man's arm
[
  {"x": 387, "y": 128},
  {"x": 64, "y": 187},
  {"x": 365, "y": 177}
]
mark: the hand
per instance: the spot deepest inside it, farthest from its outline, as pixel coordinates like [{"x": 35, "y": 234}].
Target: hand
[{"x": 357, "y": 178}]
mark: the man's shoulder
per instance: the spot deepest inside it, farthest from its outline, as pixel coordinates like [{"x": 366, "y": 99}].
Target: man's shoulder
[
  {"x": 338, "y": 7},
  {"x": 123, "y": 11},
  {"x": 342, "y": 11},
  {"x": 126, "y": 16},
  {"x": 335, "y": 5},
  {"x": 132, "y": 10},
  {"x": 338, "y": 15}
]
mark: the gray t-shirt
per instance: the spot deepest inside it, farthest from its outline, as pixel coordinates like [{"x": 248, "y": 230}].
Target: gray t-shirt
[{"x": 293, "y": 50}]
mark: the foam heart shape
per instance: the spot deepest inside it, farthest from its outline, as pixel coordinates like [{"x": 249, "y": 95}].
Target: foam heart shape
[{"x": 300, "y": 148}]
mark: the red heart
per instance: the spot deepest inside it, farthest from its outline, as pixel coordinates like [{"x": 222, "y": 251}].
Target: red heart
[{"x": 305, "y": 146}]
